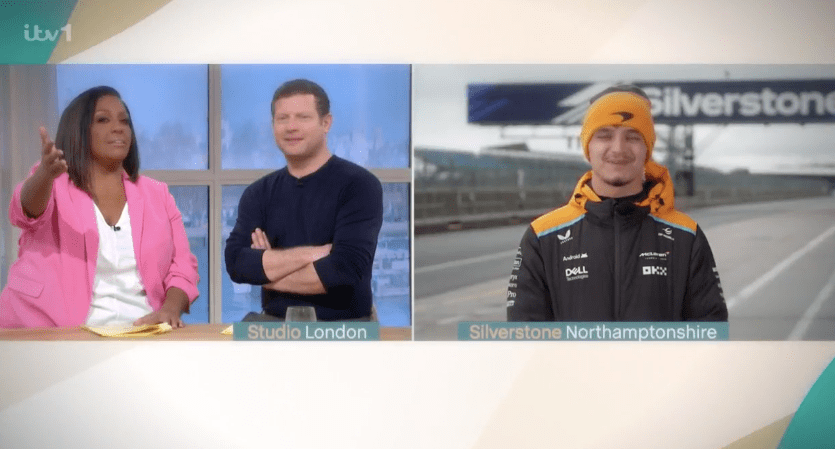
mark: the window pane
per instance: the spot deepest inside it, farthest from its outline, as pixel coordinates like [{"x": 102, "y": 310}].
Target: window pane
[
  {"x": 391, "y": 276},
  {"x": 193, "y": 203},
  {"x": 168, "y": 104},
  {"x": 369, "y": 104},
  {"x": 237, "y": 299}
]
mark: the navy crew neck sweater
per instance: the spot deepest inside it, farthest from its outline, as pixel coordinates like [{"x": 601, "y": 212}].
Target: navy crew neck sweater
[{"x": 342, "y": 204}]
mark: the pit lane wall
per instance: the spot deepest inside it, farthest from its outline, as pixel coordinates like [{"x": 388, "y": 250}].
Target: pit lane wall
[{"x": 459, "y": 190}]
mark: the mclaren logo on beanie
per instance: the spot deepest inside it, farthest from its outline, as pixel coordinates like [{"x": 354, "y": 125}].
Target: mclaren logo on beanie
[{"x": 626, "y": 115}]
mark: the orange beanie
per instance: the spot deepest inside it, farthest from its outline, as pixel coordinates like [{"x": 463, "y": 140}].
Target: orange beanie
[{"x": 619, "y": 109}]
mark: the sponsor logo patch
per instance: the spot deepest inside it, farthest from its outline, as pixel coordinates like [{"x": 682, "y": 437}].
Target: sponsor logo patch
[
  {"x": 654, "y": 271},
  {"x": 666, "y": 233},
  {"x": 575, "y": 256},
  {"x": 573, "y": 274},
  {"x": 517, "y": 262},
  {"x": 654, "y": 255}
]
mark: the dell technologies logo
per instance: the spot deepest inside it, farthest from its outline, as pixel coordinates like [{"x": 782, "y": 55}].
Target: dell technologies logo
[{"x": 573, "y": 274}]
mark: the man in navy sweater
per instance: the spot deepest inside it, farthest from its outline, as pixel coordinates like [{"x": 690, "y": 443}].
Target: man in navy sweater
[{"x": 307, "y": 233}]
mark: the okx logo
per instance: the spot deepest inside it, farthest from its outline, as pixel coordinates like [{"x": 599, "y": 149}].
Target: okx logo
[
  {"x": 659, "y": 271},
  {"x": 36, "y": 34}
]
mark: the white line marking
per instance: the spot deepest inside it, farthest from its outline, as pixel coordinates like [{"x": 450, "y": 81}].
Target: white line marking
[
  {"x": 752, "y": 288},
  {"x": 803, "y": 325},
  {"x": 457, "y": 263},
  {"x": 451, "y": 319}
]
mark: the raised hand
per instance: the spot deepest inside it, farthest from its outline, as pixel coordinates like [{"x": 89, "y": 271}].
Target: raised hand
[
  {"x": 53, "y": 163},
  {"x": 37, "y": 188}
]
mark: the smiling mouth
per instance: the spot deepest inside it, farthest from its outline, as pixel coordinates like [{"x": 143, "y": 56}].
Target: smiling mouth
[{"x": 620, "y": 161}]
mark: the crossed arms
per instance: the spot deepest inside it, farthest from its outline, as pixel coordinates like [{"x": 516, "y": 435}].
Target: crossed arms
[
  {"x": 290, "y": 270},
  {"x": 343, "y": 263}
]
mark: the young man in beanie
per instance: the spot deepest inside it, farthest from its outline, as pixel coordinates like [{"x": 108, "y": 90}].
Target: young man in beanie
[{"x": 618, "y": 251}]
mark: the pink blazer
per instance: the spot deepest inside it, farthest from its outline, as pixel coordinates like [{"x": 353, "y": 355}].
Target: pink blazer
[{"x": 51, "y": 282}]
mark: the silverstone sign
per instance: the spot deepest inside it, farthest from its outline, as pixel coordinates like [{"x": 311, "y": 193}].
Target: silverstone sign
[
  {"x": 778, "y": 101},
  {"x": 743, "y": 102}
]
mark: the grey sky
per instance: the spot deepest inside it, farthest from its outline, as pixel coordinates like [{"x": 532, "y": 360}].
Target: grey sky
[{"x": 440, "y": 112}]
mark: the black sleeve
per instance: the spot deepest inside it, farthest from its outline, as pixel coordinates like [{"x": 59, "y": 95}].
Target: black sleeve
[
  {"x": 245, "y": 264},
  {"x": 528, "y": 298},
  {"x": 358, "y": 223},
  {"x": 704, "y": 300}
]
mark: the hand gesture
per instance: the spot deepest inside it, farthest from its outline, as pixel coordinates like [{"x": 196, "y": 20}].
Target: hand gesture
[
  {"x": 53, "y": 163},
  {"x": 260, "y": 240}
]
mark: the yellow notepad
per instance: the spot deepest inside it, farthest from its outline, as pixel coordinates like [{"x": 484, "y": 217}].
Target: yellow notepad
[
  {"x": 146, "y": 330},
  {"x": 227, "y": 331}
]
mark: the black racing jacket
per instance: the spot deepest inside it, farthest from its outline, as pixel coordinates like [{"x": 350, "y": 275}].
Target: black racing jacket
[{"x": 611, "y": 260}]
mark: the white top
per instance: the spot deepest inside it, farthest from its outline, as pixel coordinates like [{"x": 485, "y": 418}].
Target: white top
[{"x": 118, "y": 294}]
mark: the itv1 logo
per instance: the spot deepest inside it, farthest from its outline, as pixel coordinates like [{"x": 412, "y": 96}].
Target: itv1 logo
[{"x": 38, "y": 35}]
